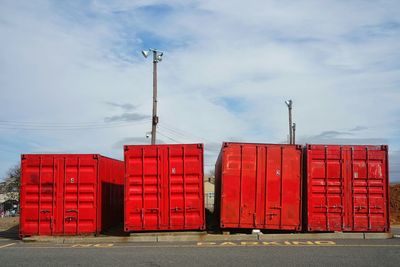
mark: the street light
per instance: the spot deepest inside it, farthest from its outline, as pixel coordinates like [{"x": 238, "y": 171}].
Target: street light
[
  {"x": 145, "y": 53},
  {"x": 157, "y": 57},
  {"x": 289, "y": 104}
]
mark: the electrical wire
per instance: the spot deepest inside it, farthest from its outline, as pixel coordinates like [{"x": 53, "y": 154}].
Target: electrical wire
[
  {"x": 67, "y": 126},
  {"x": 174, "y": 135},
  {"x": 170, "y": 138},
  {"x": 176, "y": 131},
  {"x": 8, "y": 122}
]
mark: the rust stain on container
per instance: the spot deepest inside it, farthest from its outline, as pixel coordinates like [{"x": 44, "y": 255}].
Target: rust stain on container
[
  {"x": 164, "y": 187},
  {"x": 259, "y": 186},
  {"x": 70, "y": 194},
  {"x": 347, "y": 188}
]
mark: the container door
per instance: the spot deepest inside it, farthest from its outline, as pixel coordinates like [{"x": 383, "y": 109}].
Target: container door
[
  {"x": 150, "y": 211},
  {"x": 59, "y": 195},
  {"x": 38, "y": 195},
  {"x": 283, "y": 187},
  {"x": 326, "y": 188},
  {"x": 144, "y": 166},
  {"x": 231, "y": 186},
  {"x": 79, "y": 195},
  {"x": 334, "y": 188},
  {"x": 248, "y": 180},
  {"x": 46, "y": 196},
  {"x": 368, "y": 177},
  {"x": 242, "y": 186},
  {"x": 184, "y": 194},
  {"x": 273, "y": 188},
  {"x": 261, "y": 186},
  {"x": 290, "y": 188}
]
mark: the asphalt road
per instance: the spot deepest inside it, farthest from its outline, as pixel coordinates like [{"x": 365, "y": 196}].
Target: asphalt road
[{"x": 277, "y": 253}]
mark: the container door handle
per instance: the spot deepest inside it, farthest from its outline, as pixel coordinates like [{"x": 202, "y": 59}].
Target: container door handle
[
  {"x": 72, "y": 211},
  {"x": 329, "y": 207},
  {"x": 360, "y": 207},
  {"x": 276, "y": 207},
  {"x": 376, "y": 207},
  {"x": 51, "y": 223},
  {"x": 152, "y": 210},
  {"x": 70, "y": 218},
  {"x": 176, "y": 209}
]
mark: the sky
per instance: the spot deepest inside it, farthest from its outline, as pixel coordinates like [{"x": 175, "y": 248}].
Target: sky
[{"x": 73, "y": 80}]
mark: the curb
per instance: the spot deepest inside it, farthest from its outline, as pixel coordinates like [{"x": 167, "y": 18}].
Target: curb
[
  {"x": 313, "y": 236},
  {"x": 204, "y": 237},
  {"x": 378, "y": 235}
]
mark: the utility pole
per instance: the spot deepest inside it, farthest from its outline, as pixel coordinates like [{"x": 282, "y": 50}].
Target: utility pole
[
  {"x": 294, "y": 133},
  {"x": 157, "y": 57},
  {"x": 154, "y": 116},
  {"x": 289, "y": 104}
]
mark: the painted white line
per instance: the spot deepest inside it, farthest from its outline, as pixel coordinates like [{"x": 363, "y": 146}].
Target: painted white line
[
  {"x": 8, "y": 245},
  {"x": 396, "y": 236}
]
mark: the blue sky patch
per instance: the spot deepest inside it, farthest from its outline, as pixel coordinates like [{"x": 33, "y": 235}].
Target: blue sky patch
[
  {"x": 156, "y": 10},
  {"x": 233, "y": 104}
]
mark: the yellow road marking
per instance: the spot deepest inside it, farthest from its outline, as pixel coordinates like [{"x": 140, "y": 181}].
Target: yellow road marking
[
  {"x": 212, "y": 246},
  {"x": 8, "y": 245},
  {"x": 81, "y": 246},
  {"x": 100, "y": 245},
  {"x": 295, "y": 246}
]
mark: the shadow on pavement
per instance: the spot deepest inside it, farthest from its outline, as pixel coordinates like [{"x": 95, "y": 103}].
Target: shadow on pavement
[
  {"x": 115, "y": 231},
  {"x": 212, "y": 223},
  {"x": 11, "y": 233}
]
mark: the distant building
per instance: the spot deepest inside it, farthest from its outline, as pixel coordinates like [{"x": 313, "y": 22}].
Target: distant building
[{"x": 209, "y": 192}]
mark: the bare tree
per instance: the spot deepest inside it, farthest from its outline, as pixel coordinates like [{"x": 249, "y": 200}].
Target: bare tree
[
  {"x": 12, "y": 182},
  {"x": 211, "y": 172}
]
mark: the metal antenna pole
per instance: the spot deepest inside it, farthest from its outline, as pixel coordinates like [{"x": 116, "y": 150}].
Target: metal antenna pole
[
  {"x": 289, "y": 104},
  {"x": 154, "y": 117},
  {"x": 294, "y": 133}
]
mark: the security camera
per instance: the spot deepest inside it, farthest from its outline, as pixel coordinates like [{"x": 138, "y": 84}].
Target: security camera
[{"x": 148, "y": 135}]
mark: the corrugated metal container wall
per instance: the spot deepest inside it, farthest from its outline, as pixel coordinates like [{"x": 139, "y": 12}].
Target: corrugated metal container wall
[
  {"x": 70, "y": 194},
  {"x": 258, "y": 186},
  {"x": 164, "y": 188},
  {"x": 112, "y": 188},
  {"x": 347, "y": 188}
]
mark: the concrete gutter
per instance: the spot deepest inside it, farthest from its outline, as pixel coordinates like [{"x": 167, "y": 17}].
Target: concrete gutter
[{"x": 202, "y": 237}]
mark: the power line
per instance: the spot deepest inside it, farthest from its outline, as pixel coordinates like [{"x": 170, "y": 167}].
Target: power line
[
  {"x": 59, "y": 124},
  {"x": 178, "y": 136},
  {"x": 181, "y": 132},
  {"x": 176, "y": 132},
  {"x": 8, "y": 122},
  {"x": 170, "y": 138},
  {"x": 67, "y": 127}
]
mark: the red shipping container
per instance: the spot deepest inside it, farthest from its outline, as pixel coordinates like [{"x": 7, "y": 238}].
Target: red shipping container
[
  {"x": 258, "y": 186},
  {"x": 164, "y": 188},
  {"x": 347, "y": 188},
  {"x": 70, "y": 194}
]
